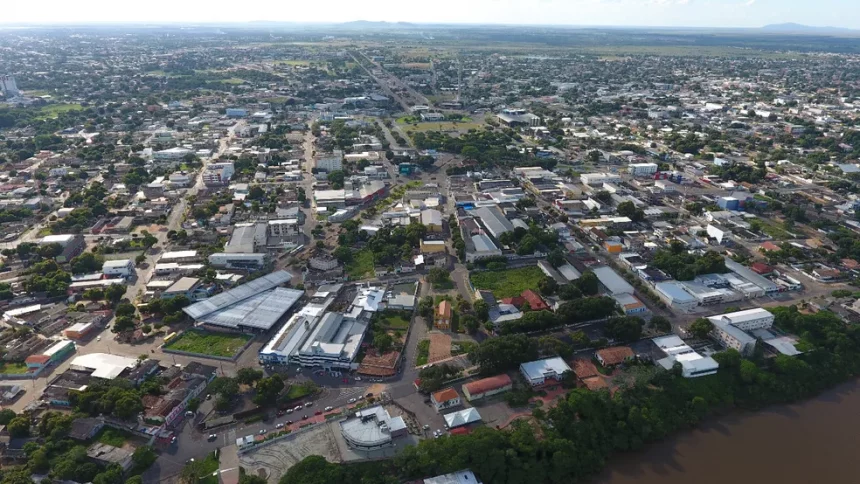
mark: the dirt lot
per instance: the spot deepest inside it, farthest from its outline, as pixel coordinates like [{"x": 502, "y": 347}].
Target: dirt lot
[
  {"x": 440, "y": 347},
  {"x": 273, "y": 460}
]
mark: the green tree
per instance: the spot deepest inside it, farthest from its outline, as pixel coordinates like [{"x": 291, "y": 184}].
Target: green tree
[
  {"x": 382, "y": 342},
  {"x": 142, "y": 458},
  {"x": 660, "y": 323},
  {"x": 482, "y": 311},
  {"x": 19, "y": 427},
  {"x": 6, "y": 416},
  {"x": 248, "y": 376},
  {"x": 268, "y": 389},
  {"x": 701, "y": 328},
  {"x": 86, "y": 263}
]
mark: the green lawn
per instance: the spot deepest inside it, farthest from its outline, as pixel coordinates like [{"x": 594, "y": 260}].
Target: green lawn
[
  {"x": 13, "y": 368},
  {"x": 233, "y": 80},
  {"x": 361, "y": 264},
  {"x": 393, "y": 320},
  {"x": 54, "y": 110},
  {"x": 111, "y": 436},
  {"x": 461, "y": 347},
  {"x": 508, "y": 283},
  {"x": 775, "y": 231},
  {"x": 300, "y": 390},
  {"x": 423, "y": 352},
  {"x": 208, "y": 467},
  {"x": 441, "y": 126},
  {"x": 206, "y": 343}
]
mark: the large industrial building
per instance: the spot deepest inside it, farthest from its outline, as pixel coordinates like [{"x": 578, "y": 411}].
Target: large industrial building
[
  {"x": 731, "y": 328},
  {"x": 255, "y": 306},
  {"x": 692, "y": 364}
]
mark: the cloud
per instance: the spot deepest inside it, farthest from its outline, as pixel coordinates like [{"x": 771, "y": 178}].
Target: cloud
[{"x": 749, "y": 3}]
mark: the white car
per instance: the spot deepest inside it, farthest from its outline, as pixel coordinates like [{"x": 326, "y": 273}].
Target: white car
[
  {"x": 329, "y": 409},
  {"x": 298, "y": 407},
  {"x": 290, "y": 410},
  {"x": 213, "y": 436},
  {"x": 263, "y": 431},
  {"x": 99, "y": 338},
  {"x": 351, "y": 400},
  {"x": 279, "y": 426},
  {"x": 426, "y": 426}
]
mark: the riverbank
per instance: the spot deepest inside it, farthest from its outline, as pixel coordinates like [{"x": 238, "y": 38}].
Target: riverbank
[{"x": 813, "y": 441}]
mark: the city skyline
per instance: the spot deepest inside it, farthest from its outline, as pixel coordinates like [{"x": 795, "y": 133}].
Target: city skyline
[{"x": 622, "y": 13}]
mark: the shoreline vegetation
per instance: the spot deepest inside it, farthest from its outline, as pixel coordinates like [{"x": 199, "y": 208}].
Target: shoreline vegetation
[{"x": 573, "y": 442}]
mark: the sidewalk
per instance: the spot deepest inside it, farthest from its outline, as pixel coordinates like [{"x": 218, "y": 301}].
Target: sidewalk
[{"x": 228, "y": 465}]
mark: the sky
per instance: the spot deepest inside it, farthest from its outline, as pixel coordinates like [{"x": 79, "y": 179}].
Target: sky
[{"x": 671, "y": 13}]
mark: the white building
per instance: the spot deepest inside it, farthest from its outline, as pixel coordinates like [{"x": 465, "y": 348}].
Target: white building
[
  {"x": 334, "y": 163},
  {"x": 538, "y": 372},
  {"x": 372, "y": 428},
  {"x": 224, "y": 260},
  {"x": 598, "y": 179},
  {"x": 673, "y": 294},
  {"x": 692, "y": 364},
  {"x": 123, "y": 268},
  {"x": 171, "y": 154},
  {"x": 731, "y": 328},
  {"x": 8, "y": 87},
  {"x": 642, "y": 169},
  {"x": 460, "y": 477}
]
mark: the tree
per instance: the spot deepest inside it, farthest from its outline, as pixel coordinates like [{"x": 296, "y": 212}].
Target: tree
[
  {"x": 470, "y": 152},
  {"x": 250, "y": 478},
  {"x": 556, "y": 257},
  {"x": 382, "y": 342},
  {"x": 6, "y": 416},
  {"x": 336, "y": 178},
  {"x": 125, "y": 309},
  {"x": 437, "y": 275},
  {"x": 143, "y": 457},
  {"x": 343, "y": 254},
  {"x": 504, "y": 353},
  {"x": 256, "y": 193},
  {"x": 482, "y": 310},
  {"x": 19, "y": 427},
  {"x": 547, "y": 286},
  {"x": 50, "y": 251},
  {"x": 193, "y": 404},
  {"x": 660, "y": 323},
  {"x": 569, "y": 292},
  {"x": 588, "y": 283},
  {"x": 123, "y": 324},
  {"x": 268, "y": 389},
  {"x": 470, "y": 323},
  {"x": 701, "y": 328},
  {"x": 425, "y": 307},
  {"x": 114, "y": 293},
  {"x": 86, "y": 262},
  {"x": 626, "y": 329},
  {"x": 248, "y": 376},
  {"x": 192, "y": 473}
]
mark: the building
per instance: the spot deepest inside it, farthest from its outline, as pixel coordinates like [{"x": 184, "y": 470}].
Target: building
[
  {"x": 106, "y": 455},
  {"x": 51, "y": 356},
  {"x": 334, "y": 342},
  {"x": 630, "y": 304},
  {"x": 480, "y": 246},
  {"x": 692, "y": 364},
  {"x": 445, "y": 399},
  {"x": 79, "y": 330},
  {"x": 179, "y": 256},
  {"x": 372, "y": 428},
  {"x": 172, "y": 154},
  {"x": 612, "y": 283},
  {"x": 247, "y": 238},
  {"x": 493, "y": 220},
  {"x": 103, "y": 365},
  {"x": 731, "y": 328},
  {"x": 460, "y": 477},
  {"x": 614, "y": 356},
  {"x": 432, "y": 219},
  {"x": 243, "y": 261},
  {"x": 86, "y": 428},
  {"x": 432, "y": 246},
  {"x": 518, "y": 117},
  {"x": 330, "y": 164},
  {"x": 9, "y": 87},
  {"x": 549, "y": 371},
  {"x": 487, "y": 387},
  {"x": 673, "y": 294},
  {"x": 72, "y": 245},
  {"x": 185, "y": 286},
  {"x": 642, "y": 169},
  {"x": 218, "y": 174},
  {"x": 598, "y": 179},
  {"x": 462, "y": 418},
  {"x": 236, "y": 112},
  {"x": 442, "y": 316},
  {"x": 122, "y": 268},
  {"x": 254, "y": 306}
]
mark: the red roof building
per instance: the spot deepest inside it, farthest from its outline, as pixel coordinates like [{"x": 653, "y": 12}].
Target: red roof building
[
  {"x": 487, "y": 387},
  {"x": 614, "y": 356},
  {"x": 761, "y": 268},
  {"x": 769, "y": 246},
  {"x": 536, "y": 303}
]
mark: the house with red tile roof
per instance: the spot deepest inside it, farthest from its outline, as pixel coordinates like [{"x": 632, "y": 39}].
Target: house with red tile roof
[
  {"x": 769, "y": 246},
  {"x": 487, "y": 387},
  {"x": 442, "y": 319},
  {"x": 536, "y": 303},
  {"x": 614, "y": 356},
  {"x": 444, "y": 399}
]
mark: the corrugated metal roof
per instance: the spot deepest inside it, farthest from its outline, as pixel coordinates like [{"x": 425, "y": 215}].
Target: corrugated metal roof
[
  {"x": 261, "y": 310},
  {"x": 238, "y": 294}
]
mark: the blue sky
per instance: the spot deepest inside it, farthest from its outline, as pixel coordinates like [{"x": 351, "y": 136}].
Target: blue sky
[{"x": 694, "y": 13}]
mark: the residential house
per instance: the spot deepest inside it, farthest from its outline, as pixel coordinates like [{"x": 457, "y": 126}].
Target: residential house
[{"x": 445, "y": 399}]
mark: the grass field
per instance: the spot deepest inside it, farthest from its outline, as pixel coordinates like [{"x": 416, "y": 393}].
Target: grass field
[
  {"x": 209, "y": 466},
  {"x": 233, "y": 80},
  {"x": 423, "y": 352},
  {"x": 300, "y": 390},
  {"x": 54, "y": 110},
  {"x": 393, "y": 320},
  {"x": 361, "y": 264},
  {"x": 206, "y": 343},
  {"x": 508, "y": 283},
  {"x": 443, "y": 126},
  {"x": 13, "y": 368},
  {"x": 111, "y": 436},
  {"x": 293, "y": 62}
]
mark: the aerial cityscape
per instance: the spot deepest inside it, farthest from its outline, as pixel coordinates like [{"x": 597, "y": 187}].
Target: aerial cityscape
[{"x": 396, "y": 252}]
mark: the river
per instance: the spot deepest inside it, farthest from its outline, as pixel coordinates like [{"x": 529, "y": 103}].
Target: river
[{"x": 811, "y": 442}]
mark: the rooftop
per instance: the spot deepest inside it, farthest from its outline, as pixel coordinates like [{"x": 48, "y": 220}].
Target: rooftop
[
  {"x": 540, "y": 368},
  {"x": 103, "y": 365}
]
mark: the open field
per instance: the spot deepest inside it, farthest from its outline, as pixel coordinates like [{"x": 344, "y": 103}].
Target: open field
[
  {"x": 13, "y": 368},
  {"x": 393, "y": 320},
  {"x": 233, "y": 80},
  {"x": 508, "y": 283},
  {"x": 423, "y": 352},
  {"x": 206, "y": 343},
  {"x": 112, "y": 436},
  {"x": 361, "y": 264},
  {"x": 54, "y": 110},
  {"x": 443, "y": 126},
  {"x": 293, "y": 62}
]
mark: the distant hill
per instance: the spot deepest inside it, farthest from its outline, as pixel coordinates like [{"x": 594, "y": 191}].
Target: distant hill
[
  {"x": 794, "y": 27},
  {"x": 369, "y": 24}
]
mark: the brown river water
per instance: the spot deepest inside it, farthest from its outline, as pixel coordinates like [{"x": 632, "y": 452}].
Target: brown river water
[{"x": 814, "y": 442}]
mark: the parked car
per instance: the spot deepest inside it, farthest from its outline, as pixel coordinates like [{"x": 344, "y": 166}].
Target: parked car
[
  {"x": 318, "y": 412},
  {"x": 304, "y": 417},
  {"x": 262, "y": 431},
  {"x": 279, "y": 426},
  {"x": 298, "y": 407},
  {"x": 351, "y": 400},
  {"x": 290, "y": 410},
  {"x": 289, "y": 422},
  {"x": 213, "y": 436},
  {"x": 329, "y": 409},
  {"x": 309, "y": 404}
]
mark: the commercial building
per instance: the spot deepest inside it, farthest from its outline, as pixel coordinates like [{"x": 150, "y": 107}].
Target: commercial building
[
  {"x": 518, "y": 117},
  {"x": 333, "y": 343},
  {"x": 598, "y": 179},
  {"x": 731, "y": 328},
  {"x": 103, "y": 365},
  {"x": 630, "y": 304},
  {"x": 642, "y": 169},
  {"x": 445, "y": 399},
  {"x": 189, "y": 287},
  {"x": 330, "y": 164},
  {"x": 372, "y": 428},
  {"x": 52, "y": 355},
  {"x": 171, "y": 154},
  {"x": 179, "y": 256},
  {"x": 493, "y": 220},
  {"x": 487, "y": 387},
  {"x": 480, "y": 246},
  {"x": 255, "y": 306},
  {"x": 218, "y": 174},
  {"x": 613, "y": 284},
  {"x": 244, "y": 261},
  {"x": 247, "y": 238},
  {"x": 692, "y": 364},
  {"x": 432, "y": 219},
  {"x": 79, "y": 330},
  {"x": 548, "y": 371},
  {"x": 432, "y": 246},
  {"x": 673, "y": 294},
  {"x": 72, "y": 244},
  {"x": 122, "y": 268}
]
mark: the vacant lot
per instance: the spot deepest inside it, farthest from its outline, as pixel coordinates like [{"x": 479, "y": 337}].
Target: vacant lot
[
  {"x": 206, "y": 343},
  {"x": 440, "y": 347},
  {"x": 13, "y": 368},
  {"x": 114, "y": 437},
  {"x": 394, "y": 319},
  {"x": 54, "y": 110},
  {"x": 508, "y": 283},
  {"x": 273, "y": 460},
  {"x": 361, "y": 264},
  {"x": 423, "y": 352}
]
